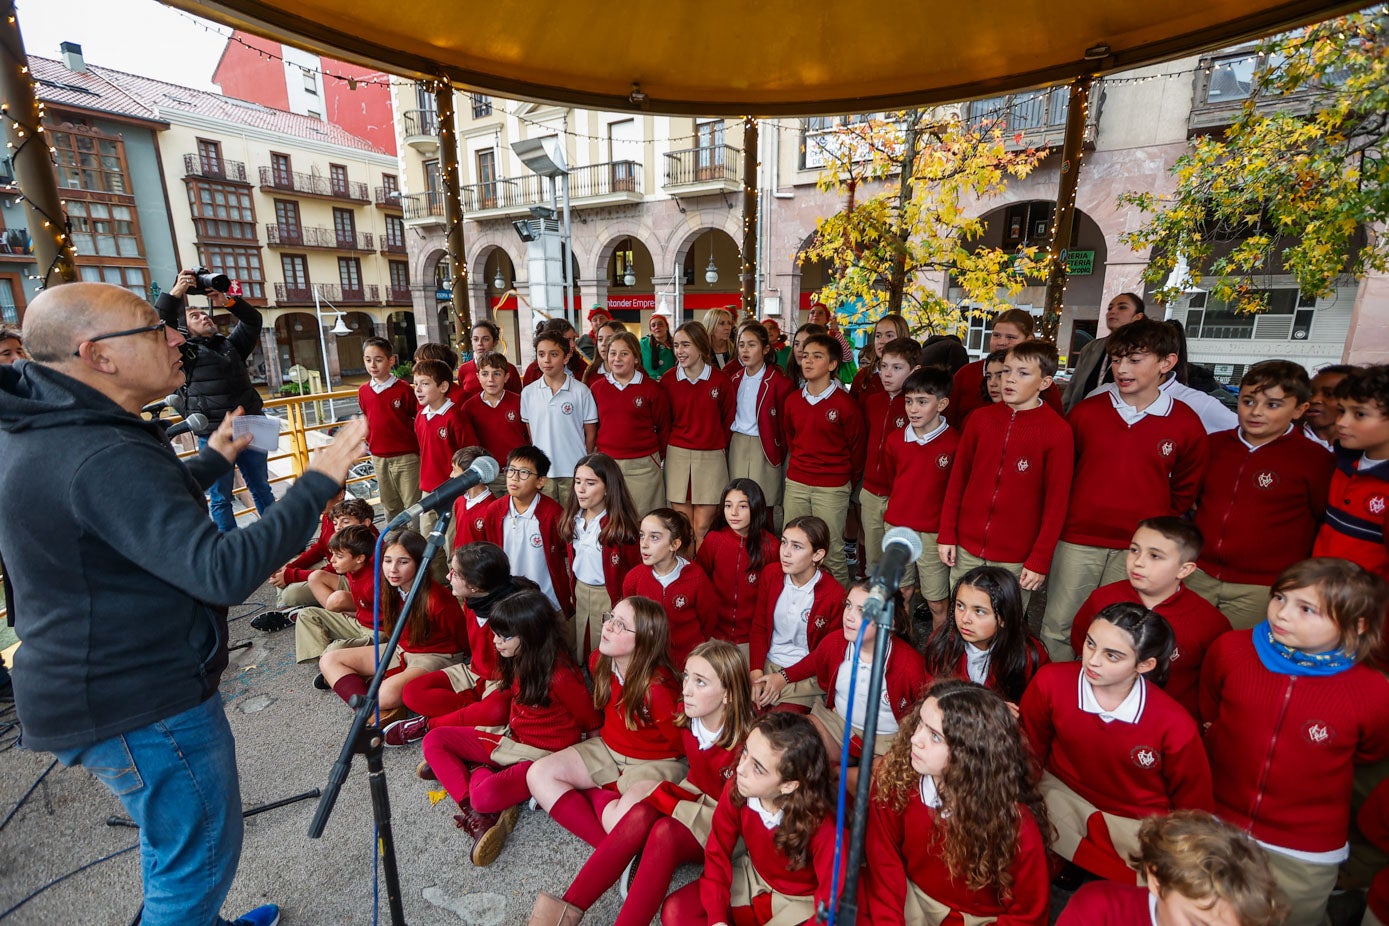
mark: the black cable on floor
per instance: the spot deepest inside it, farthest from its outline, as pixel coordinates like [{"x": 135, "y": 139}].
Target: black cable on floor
[{"x": 62, "y": 878}]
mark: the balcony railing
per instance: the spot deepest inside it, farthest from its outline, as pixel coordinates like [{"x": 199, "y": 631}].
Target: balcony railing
[
  {"x": 421, "y": 122},
  {"x": 285, "y": 294},
  {"x": 330, "y": 239},
  {"x": 313, "y": 185},
  {"x": 399, "y": 295},
  {"x": 15, "y": 241},
  {"x": 607, "y": 179},
  {"x": 423, "y": 205},
  {"x": 714, "y": 164},
  {"x": 389, "y": 246},
  {"x": 387, "y": 196},
  {"x": 213, "y": 168},
  {"x": 508, "y": 193}
]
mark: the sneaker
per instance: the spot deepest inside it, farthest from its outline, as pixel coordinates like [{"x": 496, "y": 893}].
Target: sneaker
[
  {"x": 321, "y": 683},
  {"x": 405, "y": 732},
  {"x": 267, "y": 915},
  {"x": 272, "y": 621}
]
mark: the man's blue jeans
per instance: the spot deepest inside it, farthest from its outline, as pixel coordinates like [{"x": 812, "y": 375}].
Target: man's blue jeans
[
  {"x": 255, "y": 470},
  {"x": 177, "y": 779}
]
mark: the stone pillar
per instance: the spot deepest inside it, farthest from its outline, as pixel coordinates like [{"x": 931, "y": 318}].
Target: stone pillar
[{"x": 1368, "y": 341}]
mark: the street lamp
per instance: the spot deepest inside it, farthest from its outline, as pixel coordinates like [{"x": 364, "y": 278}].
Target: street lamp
[
  {"x": 499, "y": 281},
  {"x": 339, "y": 330},
  {"x": 711, "y": 272}
]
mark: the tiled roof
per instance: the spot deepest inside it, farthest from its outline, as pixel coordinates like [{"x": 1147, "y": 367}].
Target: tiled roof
[
  {"x": 155, "y": 99},
  {"x": 86, "y": 90}
]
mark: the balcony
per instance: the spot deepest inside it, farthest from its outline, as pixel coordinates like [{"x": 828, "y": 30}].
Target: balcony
[
  {"x": 699, "y": 171},
  {"x": 1034, "y": 119},
  {"x": 15, "y": 243},
  {"x": 214, "y": 169},
  {"x": 422, "y": 129},
  {"x": 302, "y": 184},
  {"x": 387, "y": 197},
  {"x": 398, "y": 295},
  {"x": 592, "y": 185},
  {"x": 389, "y": 246},
  {"x": 321, "y": 239},
  {"x": 423, "y": 208},
  {"x": 1224, "y": 84},
  {"x": 286, "y": 294}
]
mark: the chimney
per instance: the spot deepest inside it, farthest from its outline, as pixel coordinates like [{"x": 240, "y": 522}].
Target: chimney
[{"x": 72, "y": 56}]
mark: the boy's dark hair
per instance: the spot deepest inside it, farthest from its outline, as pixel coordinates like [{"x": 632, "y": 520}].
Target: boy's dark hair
[
  {"x": 1042, "y": 352},
  {"x": 353, "y": 508},
  {"x": 357, "y": 540},
  {"x": 527, "y": 453},
  {"x": 436, "y": 370},
  {"x": 836, "y": 353},
  {"x": 1286, "y": 375},
  {"x": 1337, "y": 369},
  {"x": 561, "y": 326},
  {"x": 905, "y": 348},
  {"x": 1367, "y": 384},
  {"x": 1020, "y": 319},
  {"x": 936, "y": 381},
  {"x": 550, "y": 335},
  {"x": 483, "y": 565},
  {"x": 433, "y": 350},
  {"x": 381, "y": 343},
  {"x": 1144, "y": 335},
  {"x": 492, "y": 360},
  {"x": 1180, "y": 531},
  {"x": 465, "y": 456}
]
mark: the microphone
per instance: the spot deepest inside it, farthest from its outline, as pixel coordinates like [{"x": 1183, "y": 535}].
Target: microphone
[
  {"x": 154, "y": 408},
  {"x": 176, "y": 402},
  {"x": 901, "y": 548},
  {"x": 484, "y": 469},
  {"x": 194, "y": 422}
]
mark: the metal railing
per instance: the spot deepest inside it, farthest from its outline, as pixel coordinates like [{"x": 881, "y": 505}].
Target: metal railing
[
  {"x": 423, "y": 205},
  {"x": 311, "y": 236},
  {"x": 702, "y": 165},
  {"x": 313, "y": 185},
  {"x": 605, "y": 178},
  {"x": 587, "y": 182},
  {"x": 388, "y": 196},
  {"x": 15, "y": 241},
  {"x": 399, "y": 295},
  {"x": 392, "y": 246},
  {"x": 286, "y": 294},
  {"x": 213, "y": 168},
  {"x": 507, "y": 193},
  {"x": 421, "y": 122}
]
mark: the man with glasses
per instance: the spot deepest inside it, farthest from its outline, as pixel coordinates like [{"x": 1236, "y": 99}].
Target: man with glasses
[
  {"x": 120, "y": 584},
  {"x": 218, "y": 383}
]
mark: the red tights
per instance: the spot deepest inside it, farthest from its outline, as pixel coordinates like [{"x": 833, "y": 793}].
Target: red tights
[
  {"x": 665, "y": 845},
  {"x": 433, "y": 696},
  {"x": 461, "y": 759},
  {"x": 581, "y": 813}
]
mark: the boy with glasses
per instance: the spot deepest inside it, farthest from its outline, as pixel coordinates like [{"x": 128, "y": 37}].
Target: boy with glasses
[{"x": 525, "y": 523}]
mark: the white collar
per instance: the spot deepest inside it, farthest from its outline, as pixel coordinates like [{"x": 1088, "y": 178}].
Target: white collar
[
  {"x": 930, "y": 794},
  {"x": 434, "y": 413},
  {"x": 568, "y": 381},
  {"x": 703, "y": 374},
  {"x": 636, "y": 378},
  {"x": 1161, "y": 406},
  {"x": 770, "y": 820},
  {"x": 1239, "y": 432},
  {"x": 910, "y": 436},
  {"x": 755, "y": 377},
  {"x": 849, "y": 654},
  {"x": 817, "y": 399},
  {"x": 702, "y": 734},
  {"x": 488, "y": 399},
  {"x": 513, "y": 513},
  {"x": 595, "y": 523},
  {"x": 977, "y": 662},
  {"x": 805, "y": 589},
  {"x": 1130, "y": 711},
  {"x": 474, "y": 500},
  {"x": 1152, "y": 908},
  {"x": 379, "y": 388},
  {"x": 669, "y": 577},
  {"x": 1311, "y": 435}
]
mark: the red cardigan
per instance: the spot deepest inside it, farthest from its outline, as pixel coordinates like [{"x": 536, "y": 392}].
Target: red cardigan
[
  {"x": 903, "y": 680},
  {"x": 390, "y": 419},
  {"x": 1283, "y": 748},
  {"x": 298, "y": 569},
  {"x": 701, "y": 413},
  {"x": 548, "y": 512},
  {"x": 559, "y": 724},
  {"x": 656, "y": 735},
  {"x": 690, "y": 604},
  {"x": 826, "y": 616},
  {"x": 772, "y": 393},
  {"x": 1373, "y": 821},
  {"x": 469, "y": 524},
  {"x": 447, "y": 633},
  {"x": 634, "y": 421},
  {"x": 1195, "y": 623},
  {"x": 827, "y": 440},
  {"x": 1155, "y": 765},
  {"x": 965, "y": 397},
  {"x": 1107, "y": 903},
  {"x": 900, "y": 847},
  {"x": 723, "y": 554},
  {"x": 481, "y": 645},
  {"x": 919, "y": 475},
  {"x": 618, "y": 560},
  {"x": 885, "y": 416}
]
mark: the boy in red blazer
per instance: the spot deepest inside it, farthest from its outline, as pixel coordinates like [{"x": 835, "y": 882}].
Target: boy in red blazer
[{"x": 525, "y": 523}]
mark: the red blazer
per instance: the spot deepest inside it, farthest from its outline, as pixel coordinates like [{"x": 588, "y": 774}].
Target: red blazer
[
  {"x": 771, "y": 399},
  {"x": 548, "y": 512},
  {"x": 618, "y": 560},
  {"x": 723, "y": 555},
  {"x": 903, "y": 681},
  {"x": 826, "y": 612}
]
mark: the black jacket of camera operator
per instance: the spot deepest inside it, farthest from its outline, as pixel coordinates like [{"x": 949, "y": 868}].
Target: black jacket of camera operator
[{"x": 217, "y": 378}]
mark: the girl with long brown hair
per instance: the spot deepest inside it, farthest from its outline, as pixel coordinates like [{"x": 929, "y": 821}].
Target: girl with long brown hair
[
  {"x": 957, "y": 825},
  {"x": 701, "y": 408},
  {"x": 888, "y": 329},
  {"x": 634, "y": 421},
  {"x": 757, "y": 442},
  {"x": 599, "y": 530},
  {"x": 738, "y": 547}
]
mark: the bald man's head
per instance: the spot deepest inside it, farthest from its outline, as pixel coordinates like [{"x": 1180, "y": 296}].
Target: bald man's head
[{"x": 63, "y": 316}]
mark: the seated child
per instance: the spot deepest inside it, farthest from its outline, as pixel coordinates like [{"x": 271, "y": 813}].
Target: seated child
[
  {"x": 344, "y": 616},
  {"x": 666, "y": 576},
  {"x": 987, "y": 640}
]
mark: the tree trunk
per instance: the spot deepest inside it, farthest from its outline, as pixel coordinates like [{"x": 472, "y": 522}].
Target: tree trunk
[{"x": 897, "y": 281}]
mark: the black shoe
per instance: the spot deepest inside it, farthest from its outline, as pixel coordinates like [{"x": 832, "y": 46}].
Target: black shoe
[
  {"x": 271, "y": 621},
  {"x": 321, "y": 683}
]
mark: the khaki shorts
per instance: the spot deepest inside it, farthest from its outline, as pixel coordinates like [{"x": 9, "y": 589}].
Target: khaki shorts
[
  {"x": 834, "y": 726},
  {"x": 1070, "y": 814},
  {"x": 605, "y": 766},
  {"x": 787, "y": 909},
  {"x": 590, "y": 603},
  {"x": 928, "y": 575},
  {"x": 805, "y": 693},
  {"x": 747, "y": 460},
  {"x": 1245, "y": 606},
  {"x": 1306, "y": 885},
  {"x": 645, "y": 483},
  {"x": 695, "y": 477},
  {"x": 871, "y": 507},
  {"x": 921, "y": 909}
]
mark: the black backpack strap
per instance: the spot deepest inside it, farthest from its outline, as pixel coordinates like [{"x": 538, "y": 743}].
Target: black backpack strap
[{"x": 9, "y": 593}]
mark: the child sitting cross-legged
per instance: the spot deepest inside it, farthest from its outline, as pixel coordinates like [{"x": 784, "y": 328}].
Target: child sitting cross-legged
[
  {"x": 292, "y": 579},
  {"x": 344, "y": 614}
]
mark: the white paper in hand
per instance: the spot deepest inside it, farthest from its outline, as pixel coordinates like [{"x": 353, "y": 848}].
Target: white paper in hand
[{"x": 264, "y": 431}]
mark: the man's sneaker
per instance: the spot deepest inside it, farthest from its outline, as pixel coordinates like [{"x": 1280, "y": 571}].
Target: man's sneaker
[
  {"x": 271, "y": 621},
  {"x": 267, "y": 915},
  {"x": 405, "y": 732}
]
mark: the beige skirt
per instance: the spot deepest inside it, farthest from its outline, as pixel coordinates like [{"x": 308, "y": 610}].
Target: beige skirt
[
  {"x": 1071, "y": 814},
  {"x": 834, "y": 726},
  {"x": 747, "y": 460},
  {"x": 606, "y": 766},
  {"x": 787, "y": 909},
  {"x": 695, "y": 477},
  {"x": 590, "y": 603},
  {"x": 509, "y": 752},
  {"x": 921, "y": 909}
]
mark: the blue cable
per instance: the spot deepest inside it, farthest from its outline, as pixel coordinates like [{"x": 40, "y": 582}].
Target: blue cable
[
  {"x": 376, "y": 662},
  {"x": 844, "y": 773}
]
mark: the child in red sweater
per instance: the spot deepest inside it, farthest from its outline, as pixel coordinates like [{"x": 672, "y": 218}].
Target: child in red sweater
[
  {"x": 635, "y": 686},
  {"x": 780, "y": 806},
  {"x": 468, "y": 524},
  {"x": 868, "y": 379},
  {"x": 987, "y": 640},
  {"x": 1263, "y": 494},
  {"x": 292, "y": 579},
  {"x": 701, "y": 407},
  {"x": 827, "y": 440},
  {"x": 885, "y": 415},
  {"x": 739, "y": 545},
  {"x": 599, "y": 530},
  {"x": 757, "y": 439},
  {"x": 940, "y": 845},
  {"x": 495, "y": 413},
  {"x": 669, "y": 823},
  {"x": 390, "y": 410},
  {"x": 1291, "y": 710},
  {"x": 525, "y": 523},
  {"x": 917, "y": 465},
  {"x": 1012, "y": 474},
  {"x": 541, "y": 704},
  {"x": 1114, "y": 747},
  {"x": 484, "y": 338},
  {"x": 799, "y": 604},
  {"x": 344, "y": 615},
  {"x": 1356, "y": 509},
  {"x": 1162, "y": 444},
  {"x": 1010, "y": 328},
  {"x": 440, "y": 428},
  {"x": 1199, "y": 870},
  {"x": 634, "y": 421},
  {"x": 665, "y": 575},
  {"x": 1163, "y": 553}
]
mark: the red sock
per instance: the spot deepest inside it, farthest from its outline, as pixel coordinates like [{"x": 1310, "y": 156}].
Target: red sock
[
  {"x": 349, "y": 685},
  {"x": 574, "y": 812},
  {"x": 432, "y": 695},
  {"x": 598, "y": 798},
  {"x": 670, "y": 845},
  {"x": 495, "y": 791},
  {"x": 606, "y": 865}
]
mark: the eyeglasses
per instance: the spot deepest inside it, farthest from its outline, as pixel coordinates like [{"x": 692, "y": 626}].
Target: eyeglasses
[
  {"x": 157, "y": 326},
  {"x": 612, "y": 620},
  {"x": 519, "y": 473}
]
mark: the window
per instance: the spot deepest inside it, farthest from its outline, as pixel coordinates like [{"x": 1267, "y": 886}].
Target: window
[
  {"x": 210, "y": 154},
  {"x": 400, "y": 280},
  {"x": 280, "y": 170},
  {"x": 431, "y": 179},
  {"x": 424, "y": 99},
  {"x": 310, "y": 82},
  {"x": 104, "y": 229},
  {"x": 295, "y": 268},
  {"x": 487, "y": 178},
  {"x": 239, "y": 263},
  {"x": 337, "y": 177},
  {"x": 345, "y": 228},
  {"x": 1232, "y": 78},
  {"x": 90, "y": 162},
  {"x": 350, "y": 275},
  {"x": 287, "y": 219},
  {"x": 314, "y": 114},
  {"x": 1286, "y": 319},
  {"x": 9, "y": 305},
  {"x": 709, "y": 149},
  {"x": 390, "y": 184},
  {"x": 482, "y": 106},
  {"x": 395, "y": 232},
  {"x": 132, "y": 278},
  {"x": 222, "y": 211},
  {"x": 1028, "y": 224}
]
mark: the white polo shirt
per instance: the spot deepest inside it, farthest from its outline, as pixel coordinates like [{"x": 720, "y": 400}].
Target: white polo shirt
[
  {"x": 525, "y": 547},
  {"x": 588, "y": 551},
  {"x": 745, "y": 420},
  {"x": 556, "y": 420},
  {"x": 791, "y": 622}
]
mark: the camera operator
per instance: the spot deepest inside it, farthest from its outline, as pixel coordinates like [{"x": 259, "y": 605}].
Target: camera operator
[{"x": 218, "y": 381}]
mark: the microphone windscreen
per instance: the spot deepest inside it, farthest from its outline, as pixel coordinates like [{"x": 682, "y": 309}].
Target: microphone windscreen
[
  {"x": 175, "y": 401},
  {"x": 903, "y": 536},
  {"x": 486, "y": 468},
  {"x": 196, "y": 421}
]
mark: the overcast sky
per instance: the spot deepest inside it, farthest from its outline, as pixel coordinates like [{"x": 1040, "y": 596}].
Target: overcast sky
[{"x": 139, "y": 36}]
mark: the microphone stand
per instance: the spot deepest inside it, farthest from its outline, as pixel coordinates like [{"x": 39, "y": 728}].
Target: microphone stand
[{"x": 364, "y": 738}]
